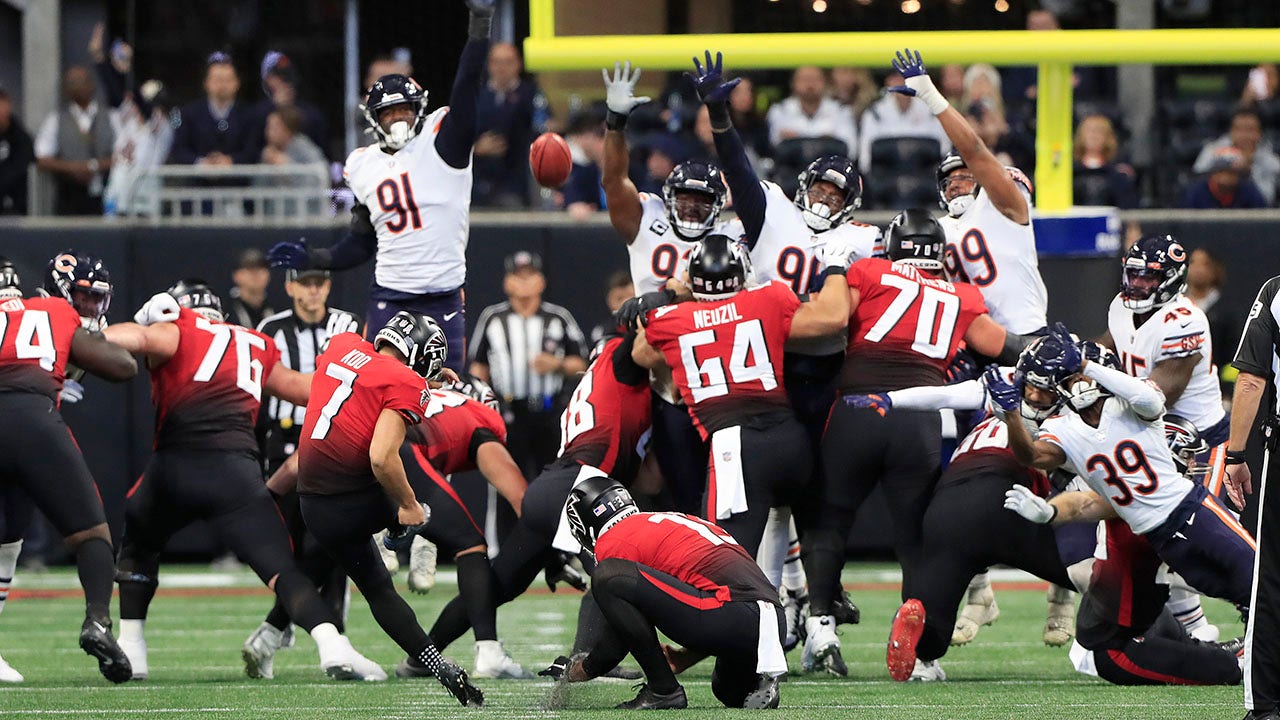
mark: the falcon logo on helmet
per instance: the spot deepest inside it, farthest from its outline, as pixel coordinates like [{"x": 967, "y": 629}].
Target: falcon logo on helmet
[
  {"x": 418, "y": 339},
  {"x": 1185, "y": 443},
  {"x": 915, "y": 238},
  {"x": 718, "y": 268},
  {"x": 1155, "y": 273},
  {"x": 840, "y": 172},
  {"x": 389, "y": 91},
  {"x": 694, "y": 194},
  {"x": 594, "y": 505}
]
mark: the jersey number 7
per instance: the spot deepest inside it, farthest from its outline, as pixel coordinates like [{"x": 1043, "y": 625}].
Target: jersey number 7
[{"x": 935, "y": 320}]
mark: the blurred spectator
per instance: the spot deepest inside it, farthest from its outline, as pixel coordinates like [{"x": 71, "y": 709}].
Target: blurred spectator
[
  {"x": 897, "y": 115},
  {"x": 511, "y": 111},
  {"x": 74, "y": 145},
  {"x": 1245, "y": 135},
  {"x": 617, "y": 290},
  {"x": 1264, "y": 81},
  {"x": 16, "y": 155},
  {"x": 665, "y": 152},
  {"x": 746, "y": 118},
  {"x": 583, "y": 194},
  {"x": 854, "y": 88},
  {"x": 1098, "y": 178},
  {"x": 251, "y": 276},
  {"x": 810, "y": 113},
  {"x": 1010, "y": 146},
  {"x": 1225, "y": 185},
  {"x": 285, "y": 142},
  {"x": 217, "y": 130},
  {"x": 280, "y": 85},
  {"x": 1206, "y": 276},
  {"x": 1132, "y": 234},
  {"x": 1019, "y": 83},
  {"x": 981, "y": 83},
  {"x": 952, "y": 86},
  {"x": 398, "y": 62}
]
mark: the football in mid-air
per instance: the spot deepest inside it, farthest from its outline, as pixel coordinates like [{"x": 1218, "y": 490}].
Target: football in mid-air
[{"x": 550, "y": 160}]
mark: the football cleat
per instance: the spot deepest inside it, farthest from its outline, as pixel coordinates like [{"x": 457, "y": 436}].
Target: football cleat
[
  {"x": 410, "y": 669},
  {"x": 822, "y": 647},
  {"x": 904, "y": 634},
  {"x": 980, "y": 609},
  {"x": 927, "y": 671},
  {"x": 136, "y": 651},
  {"x": 1060, "y": 617},
  {"x": 795, "y": 607},
  {"x": 766, "y": 696},
  {"x": 493, "y": 663},
  {"x": 646, "y": 699},
  {"x": 259, "y": 651},
  {"x": 348, "y": 664},
  {"x": 389, "y": 558},
  {"x": 455, "y": 680},
  {"x": 286, "y": 642},
  {"x": 1235, "y": 646},
  {"x": 844, "y": 611},
  {"x": 1206, "y": 633},
  {"x": 8, "y": 674},
  {"x": 96, "y": 640},
  {"x": 422, "y": 565}
]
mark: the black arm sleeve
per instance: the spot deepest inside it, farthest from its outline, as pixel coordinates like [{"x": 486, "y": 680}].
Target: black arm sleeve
[
  {"x": 748, "y": 196},
  {"x": 359, "y": 244},
  {"x": 458, "y": 129},
  {"x": 1013, "y": 347},
  {"x": 478, "y": 438},
  {"x": 625, "y": 368},
  {"x": 1258, "y": 341}
]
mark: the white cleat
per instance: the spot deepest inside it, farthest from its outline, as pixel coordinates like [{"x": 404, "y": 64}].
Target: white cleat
[
  {"x": 422, "y": 565},
  {"x": 1060, "y": 617},
  {"x": 136, "y": 651},
  {"x": 493, "y": 662},
  {"x": 342, "y": 662},
  {"x": 822, "y": 646},
  {"x": 259, "y": 651},
  {"x": 927, "y": 671},
  {"x": 389, "y": 557},
  {"x": 980, "y": 609},
  {"x": 9, "y": 675}
]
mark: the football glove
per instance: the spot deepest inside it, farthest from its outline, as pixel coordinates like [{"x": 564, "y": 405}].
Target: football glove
[
  {"x": 289, "y": 254},
  {"x": 160, "y": 308},
  {"x": 72, "y": 391},
  {"x": 564, "y": 568},
  {"x": 1071, "y": 358},
  {"x": 963, "y": 367},
  {"x": 1004, "y": 395},
  {"x": 638, "y": 308},
  {"x": 340, "y": 322},
  {"x": 400, "y": 537},
  {"x": 879, "y": 402},
  {"x": 708, "y": 81},
  {"x": 455, "y": 680},
  {"x": 837, "y": 253},
  {"x": 1021, "y": 500},
  {"x": 918, "y": 83},
  {"x": 621, "y": 89}
]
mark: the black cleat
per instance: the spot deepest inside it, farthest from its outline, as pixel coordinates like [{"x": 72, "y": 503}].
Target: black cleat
[
  {"x": 1261, "y": 715},
  {"x": 766, "y": 696},
  {"x": 649, "y": 700},
  {"x": 455, "y": 680},
  {"x": 96, "y": 640},
  {"x": 845, "y": 612},
  {"x": 1234, "y": 646}
]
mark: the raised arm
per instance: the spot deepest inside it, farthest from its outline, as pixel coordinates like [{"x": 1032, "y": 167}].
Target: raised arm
[
  {"x": 1143, "y": 396},
  {"x": 987, "y": 170},
  {"x": 458, "y": 129},
  {"x": 358, "y": 245},
  {"x": 625, "y": 209}
]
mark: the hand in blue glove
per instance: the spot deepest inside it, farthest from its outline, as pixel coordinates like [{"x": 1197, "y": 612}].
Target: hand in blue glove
[
  {"x": 709, "y": 80},
  {"x": 879, "y": 402},
  {"x": 400, "y": 537},
  {"x": 963, "y": 367},
  {"x": 909, "y": 65},
  {"x": 918, "y": 84},
  {"x": 1005, "y": 395},
  {"x": 289, "y": 254},
  {"x": 1071, "y": 358}
]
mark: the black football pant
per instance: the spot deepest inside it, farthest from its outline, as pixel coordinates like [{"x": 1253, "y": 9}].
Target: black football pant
[
  {"x": 319, "y": 567},
  {"x": 1262, "y": 637},
  {"x": 225, "y": 489},
  {"x": 638, "y": 600},
  {"x": 1165, "y": 655},
  {"x": 967, "y": 529},
  {"x": 861, "y": 449},
  {"x": 681, "y": 454},
  {"x": 344, "y": 525}
]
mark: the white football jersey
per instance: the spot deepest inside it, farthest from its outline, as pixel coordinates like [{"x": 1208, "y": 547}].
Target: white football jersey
[
  {"x": 1177, "y": 329},
  {"x": 658, "y": 252},
  {"x": 420, "y": 209},
  {"x": 1125, "y": 459},
  {"x": 999, "y": 256}
]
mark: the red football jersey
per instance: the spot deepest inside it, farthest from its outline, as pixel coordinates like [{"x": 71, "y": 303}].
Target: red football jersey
[
  {"x": 726, "y": 356},
  {"x": 1123, "y": 590},
  {"x": 448, "y": 429},
  {"x": 207, "y": 395},
  {"x": 35, "y": 342},
  {"x": 353, "y": 384},
  {"x": 607, "y": 418},
  {"x": 690, "y": 549},
  {"x": 906, "y": 328},
  {"x": 984, "y": 451}
]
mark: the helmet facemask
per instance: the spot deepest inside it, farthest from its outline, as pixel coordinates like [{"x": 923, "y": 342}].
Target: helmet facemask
[
  {"x": 692, "y": 212},
  {"x": 957, "y": 205}
]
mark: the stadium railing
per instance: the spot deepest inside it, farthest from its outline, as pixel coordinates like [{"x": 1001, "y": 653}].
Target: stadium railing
[{"x": 274, "y": 194}]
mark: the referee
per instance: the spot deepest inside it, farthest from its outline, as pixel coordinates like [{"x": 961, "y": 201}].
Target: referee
[{"x": 1255, "y": 357}]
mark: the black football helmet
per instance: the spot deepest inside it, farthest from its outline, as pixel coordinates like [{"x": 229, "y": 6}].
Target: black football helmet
[
  {"x": 702, "y": 178},
  {"x": 10, "y": 283},
  {"x": 914, "y": 237},
  {"x": 389, "y": 90},
  {"x": 419, "y": 339},
  {"x": 839, "y": 171},
  {"x": 83, "y": 280},
  {"x": 718, "y": 268},
  {"x": 593, "y": 506},
  {"x": 196, "y": 295},
  {"x": 1185, "y": 443},
  {"x": 1155, "y": 272}
]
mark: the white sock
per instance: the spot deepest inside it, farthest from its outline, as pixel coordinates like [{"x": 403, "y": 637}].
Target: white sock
[
  {"x": 1184, "y": 603},
  {"x": 131, "y": 630},
  {"x": 773, "y": 545},
  {"x": 8, "y": 564},
  {"x": 793, "y": 577},
  {"x": 979, "y": 583}
]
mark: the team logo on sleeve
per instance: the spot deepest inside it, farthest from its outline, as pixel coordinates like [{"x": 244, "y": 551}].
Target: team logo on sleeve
[
  {"x": 658, "y": 227},
  {"x": 426, "y": 397}
]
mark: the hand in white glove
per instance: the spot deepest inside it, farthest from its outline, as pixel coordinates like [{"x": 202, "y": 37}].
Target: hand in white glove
[
  {"x": 1021, "y": 500},
  {"x": 72, "y": 391},
  {"x": 340, "y": 323},
  {"x": 838, "y": 252},
  {"x": 160, "y": 308},
  {"x": 620, "y": 96}
]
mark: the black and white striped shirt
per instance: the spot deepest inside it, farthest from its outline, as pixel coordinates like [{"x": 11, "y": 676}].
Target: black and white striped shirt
[
  {"x": 1259, "y": 349},
  {"x": 299, "y": 344},
  {"x": 508, "y": 342}
]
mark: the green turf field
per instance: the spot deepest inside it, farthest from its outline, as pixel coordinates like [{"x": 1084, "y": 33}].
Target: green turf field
[{"x": 195, "y": 636}]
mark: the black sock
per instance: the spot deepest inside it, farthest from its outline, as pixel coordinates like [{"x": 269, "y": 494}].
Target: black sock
[
  {"x": 476, "y": 587},
  {"x": 97, "y": 568},
  {"x": 278, "y": 618},
  {"x": 591, "y": 624},
  {"x": 428, "y": 657},
  {"x": 823, "y": 557},
  {"x": 451, "y": 624},
  {"x": 301, "y": 600}
]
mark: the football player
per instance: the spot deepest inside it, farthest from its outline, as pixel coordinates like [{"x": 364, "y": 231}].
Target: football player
[
  {"x": 352, "y": 479},
  {"x": 43, "y": 466},
  {"x": 10, "y": 282},
  {"x": 681, "y": 575},
  {"x": 207, "y": 382},
  {"x": 413, "y": 196},
  {"x": 85, "y": 282}
]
